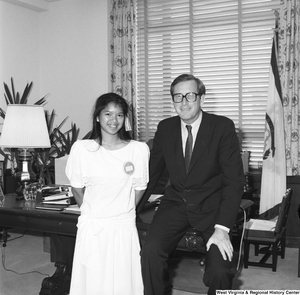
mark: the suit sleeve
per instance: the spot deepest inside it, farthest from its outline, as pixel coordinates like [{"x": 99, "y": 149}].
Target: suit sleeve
[{"x": 232, "y": 176}]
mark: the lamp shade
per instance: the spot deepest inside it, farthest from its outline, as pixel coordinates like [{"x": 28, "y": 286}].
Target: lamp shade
[{"x": 25, "y": 127}]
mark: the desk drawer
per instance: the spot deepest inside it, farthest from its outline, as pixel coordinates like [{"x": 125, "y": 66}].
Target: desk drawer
[{"x": 64, "y": 227}]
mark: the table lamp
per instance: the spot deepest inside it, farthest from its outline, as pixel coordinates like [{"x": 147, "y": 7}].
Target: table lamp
[{"x": 24, "y": 128}]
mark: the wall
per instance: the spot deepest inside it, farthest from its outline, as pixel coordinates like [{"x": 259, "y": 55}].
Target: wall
[
  {"x": 19, "y": 49},
  {"x": 74, "y": 57},
  {"x": 63, "y": 49}
]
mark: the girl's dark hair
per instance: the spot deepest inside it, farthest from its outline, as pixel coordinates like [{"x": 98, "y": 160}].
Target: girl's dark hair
[{"x": 101, "y": 102}]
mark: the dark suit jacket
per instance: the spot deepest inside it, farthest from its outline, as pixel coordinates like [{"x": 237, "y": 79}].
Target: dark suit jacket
[{"x": 213, "y": 187}]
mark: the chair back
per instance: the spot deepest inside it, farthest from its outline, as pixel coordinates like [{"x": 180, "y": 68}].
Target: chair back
[{"x": 283, "y": 211}]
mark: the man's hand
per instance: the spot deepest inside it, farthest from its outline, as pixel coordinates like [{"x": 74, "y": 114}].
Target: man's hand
[{"x": 221, "y": 239}]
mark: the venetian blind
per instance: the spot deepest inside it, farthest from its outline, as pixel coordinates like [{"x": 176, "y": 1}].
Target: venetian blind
[{"x": 225, "y": 43}]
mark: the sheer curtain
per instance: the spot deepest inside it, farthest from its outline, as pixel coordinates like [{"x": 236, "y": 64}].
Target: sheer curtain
[
  {"x": 122, "y": 49},
  {"x": 290, "y": 79}
]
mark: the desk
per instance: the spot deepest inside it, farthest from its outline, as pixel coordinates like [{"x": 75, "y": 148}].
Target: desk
[
  {"x": 22, "y": 214},
  {"x": 62, "y": 227}
]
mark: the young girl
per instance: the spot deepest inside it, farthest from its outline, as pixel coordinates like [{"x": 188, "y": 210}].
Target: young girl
[{"x": 108, "y": 174}]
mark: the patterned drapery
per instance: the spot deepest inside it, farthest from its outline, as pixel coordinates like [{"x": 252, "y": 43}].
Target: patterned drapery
[
  {"x": 122, "y": 48},
  {"x": 289, "y": 50}
]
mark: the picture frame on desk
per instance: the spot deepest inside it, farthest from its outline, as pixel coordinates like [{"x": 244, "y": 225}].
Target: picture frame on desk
[{"x": 2, "y": 169}]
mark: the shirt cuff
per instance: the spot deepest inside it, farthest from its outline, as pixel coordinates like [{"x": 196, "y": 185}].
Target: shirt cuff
[{"x": 222, "y": 227}]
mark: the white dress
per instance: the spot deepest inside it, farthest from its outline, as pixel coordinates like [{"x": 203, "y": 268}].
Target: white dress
[{"x": 107, "y": 251}]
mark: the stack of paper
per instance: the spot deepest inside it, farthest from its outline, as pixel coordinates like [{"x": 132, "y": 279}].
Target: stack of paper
[
  {"x": 59, "y": 195},
  {"x": 260, "y": 224},
  {"x": 52, "y": 190}
]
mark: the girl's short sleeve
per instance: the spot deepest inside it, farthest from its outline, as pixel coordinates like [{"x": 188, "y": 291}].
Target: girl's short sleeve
[
  {"x": 74, "y": 168},
  {"x": 141, "y": 176}
]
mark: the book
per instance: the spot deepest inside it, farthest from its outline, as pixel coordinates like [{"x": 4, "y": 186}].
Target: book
[
  {"x": 61, "y": 201},
  {"x": 50, "y": 208},
  {"x": 72, "y": 209},
  {"x": 53, "y": 190},
  {"x": 56, "y": 197}
]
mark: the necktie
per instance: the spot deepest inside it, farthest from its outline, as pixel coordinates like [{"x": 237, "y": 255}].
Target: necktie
[{"x": 188, "y": 148}]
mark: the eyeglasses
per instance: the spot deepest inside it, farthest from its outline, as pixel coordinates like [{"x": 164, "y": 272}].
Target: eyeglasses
[{"x": 190, "y": 97}]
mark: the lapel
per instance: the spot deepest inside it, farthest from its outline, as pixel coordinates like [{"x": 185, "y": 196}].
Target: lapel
[{"x": 202, "y": 139}]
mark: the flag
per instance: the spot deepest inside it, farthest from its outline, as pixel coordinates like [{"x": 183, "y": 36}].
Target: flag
[{"x": 273, "y": 184}]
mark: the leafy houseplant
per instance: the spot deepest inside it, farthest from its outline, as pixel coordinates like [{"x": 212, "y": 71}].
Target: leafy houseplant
[
  {"x": 61, "y": 143},
  {"x": 43, "y": 159}
]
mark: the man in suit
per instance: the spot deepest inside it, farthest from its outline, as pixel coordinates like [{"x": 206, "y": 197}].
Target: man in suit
[{"x": 206, "y": 185}]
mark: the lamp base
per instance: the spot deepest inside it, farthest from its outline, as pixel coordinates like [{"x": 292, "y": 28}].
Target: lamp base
[{"x": 25, "y": 175}]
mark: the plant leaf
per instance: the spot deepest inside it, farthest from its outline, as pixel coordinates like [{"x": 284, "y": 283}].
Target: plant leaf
[
  {"x": 27, "y": 90},
  {"x": 42, "y": 101},
  {"x": 17, "y": 98},
  {"x": 50, "y": 120},
  {"x": 12, "y": 87},
  {"x": 62, "y": 122},
  {"x": 8, "y": 97},
  {"x": 2, "y": 113}
]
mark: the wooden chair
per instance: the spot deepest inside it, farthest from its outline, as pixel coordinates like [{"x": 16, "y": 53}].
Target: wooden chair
[{"x": 273, "y": 240}]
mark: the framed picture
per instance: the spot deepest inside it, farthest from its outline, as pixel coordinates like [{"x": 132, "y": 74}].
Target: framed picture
[{"x": 2, "y": 175}]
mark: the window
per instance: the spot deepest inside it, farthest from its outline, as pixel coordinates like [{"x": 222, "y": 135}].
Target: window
[{"x": 225, "y": 43}]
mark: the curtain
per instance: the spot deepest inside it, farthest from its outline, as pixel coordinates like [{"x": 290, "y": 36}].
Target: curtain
[
  {"x": 122, "y": 48},
  {"x": 290, "y": 74}
]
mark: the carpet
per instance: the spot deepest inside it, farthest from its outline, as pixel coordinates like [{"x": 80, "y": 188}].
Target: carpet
[
  {"x": 187, "y": 274},
  {"x": 257, "y": 278},
  {"x": 25, "y": 255},
  {"x": 26, "y": 264}
]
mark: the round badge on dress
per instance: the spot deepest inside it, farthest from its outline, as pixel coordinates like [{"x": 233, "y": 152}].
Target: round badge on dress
[{"x": 128, "y": 168}]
